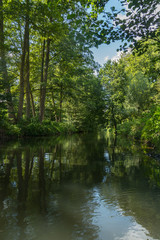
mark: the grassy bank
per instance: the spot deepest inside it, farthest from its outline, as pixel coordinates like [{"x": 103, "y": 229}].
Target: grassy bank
[{"x": 33, "y": 129}]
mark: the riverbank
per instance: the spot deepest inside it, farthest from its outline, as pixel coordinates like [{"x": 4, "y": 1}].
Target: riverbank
[{"x": 35, "y": 129}]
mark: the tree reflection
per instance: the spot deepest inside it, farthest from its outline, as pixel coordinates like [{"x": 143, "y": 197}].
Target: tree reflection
[
  {"x": 42, "y": 190},
  {"x": 48, "y": 183},
  {"x": 135, "y": 181},
  {"x": 34, "y": 174}
]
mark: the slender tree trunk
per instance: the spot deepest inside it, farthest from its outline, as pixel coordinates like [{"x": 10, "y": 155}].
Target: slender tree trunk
[
  {"x": 24, "y": 70},
  {"x": 20, "y": 177},
  {"x": 32, "y": 103},
  {"x": 44, "y": 80},
  {"x": 56, "y": 118},
  {"x": 26, "y": 177},
  {"x": 42, "y": 188},
  {"x": 21, "y": 95},
  {"x": 28, "y": 105},
  {"x": 114, "y": 121},
  {"x": 3, "y": 68},
  {"x": 53, "y": 161}
]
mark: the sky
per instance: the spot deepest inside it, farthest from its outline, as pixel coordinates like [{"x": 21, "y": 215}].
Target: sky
[{"x": 104, "y": 51}]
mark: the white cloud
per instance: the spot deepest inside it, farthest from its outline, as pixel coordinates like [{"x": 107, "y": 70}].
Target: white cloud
[
  {"x": 117, "y": 56},
  {"x": 122, "y": 16},
  {"x": 136, "y": 231},
  {"x": 95, "y": 73},
  {"x": 106, "y": 58}
]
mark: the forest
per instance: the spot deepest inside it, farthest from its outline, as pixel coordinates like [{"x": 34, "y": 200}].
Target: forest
[{"x": 50, "y": 83}]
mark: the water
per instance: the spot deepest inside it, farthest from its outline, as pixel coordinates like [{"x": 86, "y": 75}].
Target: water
[{"x": 81, "y": 187}]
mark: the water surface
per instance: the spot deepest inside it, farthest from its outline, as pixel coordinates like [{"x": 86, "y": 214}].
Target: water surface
[{"x": 80, "y": 187}]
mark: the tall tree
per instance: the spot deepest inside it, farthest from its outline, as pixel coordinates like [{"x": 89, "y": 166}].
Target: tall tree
[
  {"x": 44, "y": 79},
  {"x": 27, "y": 69},
  {"x": 115, "y": 81},
  {"x": 3, "y": 67},
  {"x": 24, "y": 70}
]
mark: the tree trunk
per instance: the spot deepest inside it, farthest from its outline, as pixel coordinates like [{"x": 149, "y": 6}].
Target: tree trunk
[
  {"x": 42, "y": 187},
  {"x": 32, "y": 103},
  {"x": 20, "y": 177},
  {"x": 3, "y": 68},
  {"x": 54, "y": 105},
  {"x": 27, "y": 87},
  {"x": 24, "y": 70},
  {"x": 44, "y": 79},
  {"x": 114, "y": 120},
  {"x": 21, "y": 95},
  {"x": 27, "y": 175}
]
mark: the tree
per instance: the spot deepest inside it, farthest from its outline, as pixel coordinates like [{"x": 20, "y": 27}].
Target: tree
[
  {"x": 114, "y": 81},
  {"x": 24, "y": 70},
  {"x": 138, "y": 97},
  {"x": 142, "y": 20},
  {"x": 4, "y": 78},
  {"x": 44, "y": 79},
  {"x": 132, "y": 92}
]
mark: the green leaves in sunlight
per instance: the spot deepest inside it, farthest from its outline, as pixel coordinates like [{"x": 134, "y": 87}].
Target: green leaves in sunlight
[
  {"x": 151, "y": 130},
  {"x": 141, "y": 20},
  {"x": 132, "y": 93},
  {"x": 48, "y": 72},
  {"x": 46, "y": 66}
]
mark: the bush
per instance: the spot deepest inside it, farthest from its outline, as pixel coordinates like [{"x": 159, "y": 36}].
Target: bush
[
  {"x": 35, "y": 128},
  {"x": 38, "y": 129},
  {"x": 47, "y": 127},
  {"x": 151, "y": 130},
  {"x": 132, "y": 128},
  {"x": 8, "y": 129},
  {"x": 66, "y": 128}
]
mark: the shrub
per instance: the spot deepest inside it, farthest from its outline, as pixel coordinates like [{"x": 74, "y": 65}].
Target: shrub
[
  {"x": 47, "y": 127},
  {"x": 131, "y": 128},
  {"x": 38, "y": 129},
  {"x": 151, "y": 130}
]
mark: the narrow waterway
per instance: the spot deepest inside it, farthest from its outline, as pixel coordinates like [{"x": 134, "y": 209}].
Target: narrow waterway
[{"x": 80, "y": 187}]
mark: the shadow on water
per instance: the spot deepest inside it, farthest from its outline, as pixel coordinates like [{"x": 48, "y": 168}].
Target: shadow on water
[{"x": 78, "y": 187}]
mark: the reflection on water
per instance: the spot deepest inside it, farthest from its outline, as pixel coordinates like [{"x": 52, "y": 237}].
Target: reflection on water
[{"x": 85, "y": 187}]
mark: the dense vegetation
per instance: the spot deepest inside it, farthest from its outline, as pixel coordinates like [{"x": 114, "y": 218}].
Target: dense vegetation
[
  {"x": 132, "y": 90},
  {"x": 47, "y": 71}
]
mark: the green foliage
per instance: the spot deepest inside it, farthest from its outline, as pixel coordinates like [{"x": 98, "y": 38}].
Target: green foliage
[
  {"x": 66, "y": 128},
  {"x": 114, "y": 80},
  {"x": 138, "y": 92},
  {"x": 7, "y": 128},
  {"x": 142, "y": 21},
  {"x": 151, "y": 130},
  {"x": 132, "y": 93},
  {"x": 56, "y": 79},
  {"x": 34, "y": 128},
  {"x": 47, "y": 127},
  {"x": 71, "y": 29},
  {"x": 131, "y": 128}
]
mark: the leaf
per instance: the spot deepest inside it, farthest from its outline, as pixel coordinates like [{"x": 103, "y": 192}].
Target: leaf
[{"x": 71, "y": 16}]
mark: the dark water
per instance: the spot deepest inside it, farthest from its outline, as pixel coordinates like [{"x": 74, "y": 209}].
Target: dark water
[{"x": 85, "y": 187}]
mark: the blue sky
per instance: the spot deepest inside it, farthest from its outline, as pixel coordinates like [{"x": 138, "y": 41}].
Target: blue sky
[{"x": 104, "y": 51}]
